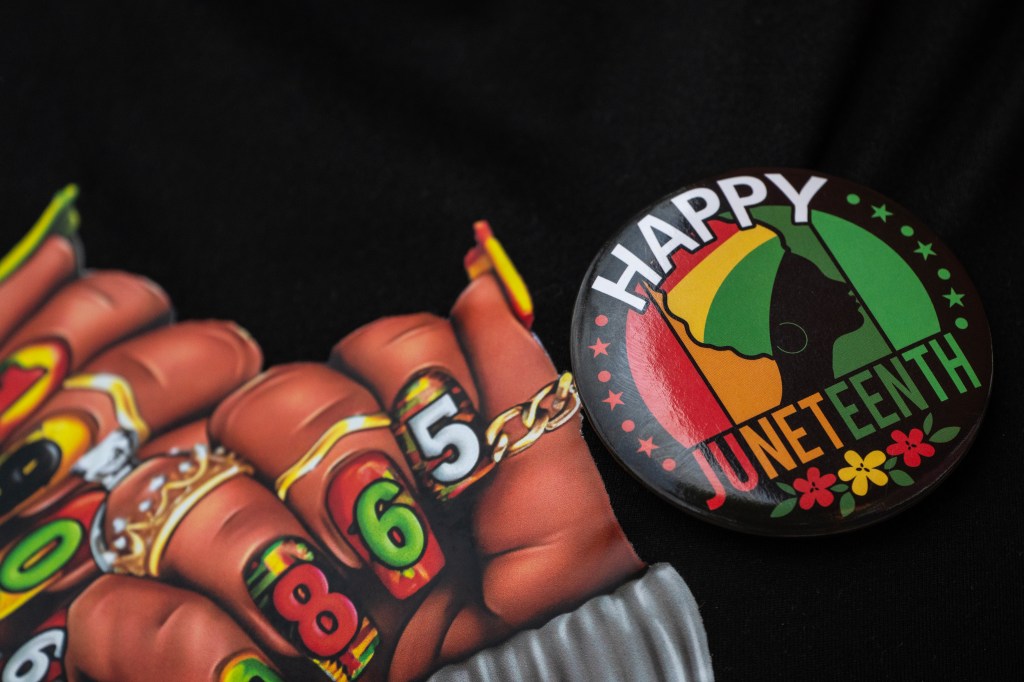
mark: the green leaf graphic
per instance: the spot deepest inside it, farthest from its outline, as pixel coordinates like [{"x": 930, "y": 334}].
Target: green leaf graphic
[
  {"x": 945, "y": 435},
  {"x": 839, "y": 488},
  {"x": 901, "y": 478},
  {"x": 786, "y": 487},
  {"x": 928, "y": 423},
  {"x": 784, "y": 507},
  {"x": 846, "y": 504},
  {"x": 890, "y": 463}
]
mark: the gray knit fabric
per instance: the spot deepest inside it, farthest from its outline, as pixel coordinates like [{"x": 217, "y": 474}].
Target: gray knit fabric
[{"x": 648, "y": 629}]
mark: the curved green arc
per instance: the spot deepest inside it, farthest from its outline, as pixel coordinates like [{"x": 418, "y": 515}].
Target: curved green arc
[
  {"x": 876, "y": 272},
  {"x": 855, "y": 349},
  {"x": 738, "y": 316}
]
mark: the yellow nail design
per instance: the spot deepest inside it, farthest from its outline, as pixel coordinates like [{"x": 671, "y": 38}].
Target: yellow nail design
[
  {"x": 60, "y": 217},
  {"x": 489, "y": 256}
]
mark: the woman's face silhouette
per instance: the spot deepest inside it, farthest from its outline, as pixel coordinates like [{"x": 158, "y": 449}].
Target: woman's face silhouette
[{"x": 809, "y": 312}]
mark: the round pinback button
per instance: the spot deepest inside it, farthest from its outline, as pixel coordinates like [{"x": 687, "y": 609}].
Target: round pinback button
[{"x": 782, "y": 352}]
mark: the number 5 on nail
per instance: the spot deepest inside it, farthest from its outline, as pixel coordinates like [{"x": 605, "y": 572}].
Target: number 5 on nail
[{"x": 441, "y": 434}]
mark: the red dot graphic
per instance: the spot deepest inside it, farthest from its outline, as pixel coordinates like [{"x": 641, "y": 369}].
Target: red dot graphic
[
  {"x": 668, "y": 464},
  {"x": 604, "y": 376},
  {"x": 628, "y": 426},
  {"x": 601, "y": 320}
]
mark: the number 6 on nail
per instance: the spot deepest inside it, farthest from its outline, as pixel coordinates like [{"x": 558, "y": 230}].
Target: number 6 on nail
[{"x": 372, "y": 507}]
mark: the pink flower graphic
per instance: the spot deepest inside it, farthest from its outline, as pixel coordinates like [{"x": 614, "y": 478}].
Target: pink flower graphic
[
  {"x": 815, "y": 488},
  {"x": 910, "y": 446}
]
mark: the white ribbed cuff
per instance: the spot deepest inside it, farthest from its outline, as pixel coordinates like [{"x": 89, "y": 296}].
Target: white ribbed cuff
[{"x": 648, "y": 629}]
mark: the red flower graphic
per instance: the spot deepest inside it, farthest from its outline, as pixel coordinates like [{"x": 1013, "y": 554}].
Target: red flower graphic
[
  {"x": 910, "y": 446},
  {"x": 815, "y": 488}
]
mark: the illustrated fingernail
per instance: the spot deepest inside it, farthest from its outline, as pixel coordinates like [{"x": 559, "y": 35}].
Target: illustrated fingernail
[
  {"x": 60, "y": 217},
  {"x": 28, "y": 377},
  {"x": 30, "y": 469},
  {"x": 441, "y": 434},
  {"x": 40, "y": 655},
  {"x": 372, "y": 507},
  {"x": 46, "y": 565},
  {"x": 489, "y": 256},
  {"x": 297, "y": 595},
  {"x": 300, "y": 595},
  {"x": 65, "y": 445},
  {"x": 249, "y": 667}
]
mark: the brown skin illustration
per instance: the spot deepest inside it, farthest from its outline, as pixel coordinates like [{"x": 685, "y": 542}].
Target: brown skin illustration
[
  {"x": 94, "y": 312},
  {"x": 27, "y": 287},
  {"x": 172, "y": 625},
  {"x": 195, "y": 362},
  {"x": 14, "y": 629},
  {"x": 213, "y": 544},
  {"x": 177, "y": 439},
  {"x": 534, "y": 537},
  {"x": 306, "y": 399},
  {"x": 541, "y": 540},
  {"x": 175, "y": 372},
  {"x": 543, "y": 527},
  {"x": 545, "y": 536}
]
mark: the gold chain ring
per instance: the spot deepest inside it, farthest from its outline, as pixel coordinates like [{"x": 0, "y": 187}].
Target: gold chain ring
[{"x": 561, "y": 402}]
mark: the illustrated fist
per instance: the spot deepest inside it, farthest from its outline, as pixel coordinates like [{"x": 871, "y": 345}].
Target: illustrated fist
[{"x": 424, "y": 495}]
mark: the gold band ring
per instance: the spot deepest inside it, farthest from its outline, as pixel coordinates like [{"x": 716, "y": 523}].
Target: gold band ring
[
  {"x": 139, "y": 540},
  {"x": 121, "y": 394},
  {"x": 311, "y": 460}
]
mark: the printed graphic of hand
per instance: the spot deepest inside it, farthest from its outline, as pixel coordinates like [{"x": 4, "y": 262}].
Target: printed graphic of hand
[
  {"x": 93, "y": 380},
  {"x": 424, "y": 496}
]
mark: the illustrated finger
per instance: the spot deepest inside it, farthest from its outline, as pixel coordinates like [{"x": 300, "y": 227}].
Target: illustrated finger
[
  {"x": 385, "y": 353},
  {"x": 176, "y": 440},
  {"x": 89, "y": 432},
  {"x": 46, "y": 561},
  {"x": 40, "y": 262},
  {"x": 413, "y": 364},
  {"x": 124, "y": 628},
  {"x": 544, "y": 524},
  {"x": 507, "y": 360},
  {"x": 80, "y": 320},
  {"x": 44, "y": 565},
  {"x": 328, "y": 453},
  {"x": 200, "y": 521},
  {"x": 25, "y": 289},
  {"x": 186, "y": 368}
]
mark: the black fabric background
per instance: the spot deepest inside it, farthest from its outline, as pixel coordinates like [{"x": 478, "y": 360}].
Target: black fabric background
[{"x": 306, "y": 168}]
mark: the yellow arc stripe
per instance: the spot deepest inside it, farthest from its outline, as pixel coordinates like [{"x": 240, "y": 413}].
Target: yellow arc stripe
[
  {"x": 43, "y": 227},
  {"x": 691, "y": 299},
  {"x": 120, "y": 391},
  {"x": 163, "y": 536},
  {"x": 316, "y": 454}
]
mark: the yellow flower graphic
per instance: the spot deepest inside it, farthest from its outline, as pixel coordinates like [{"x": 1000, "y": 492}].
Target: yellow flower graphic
[{"x": 863, "y": 470}]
